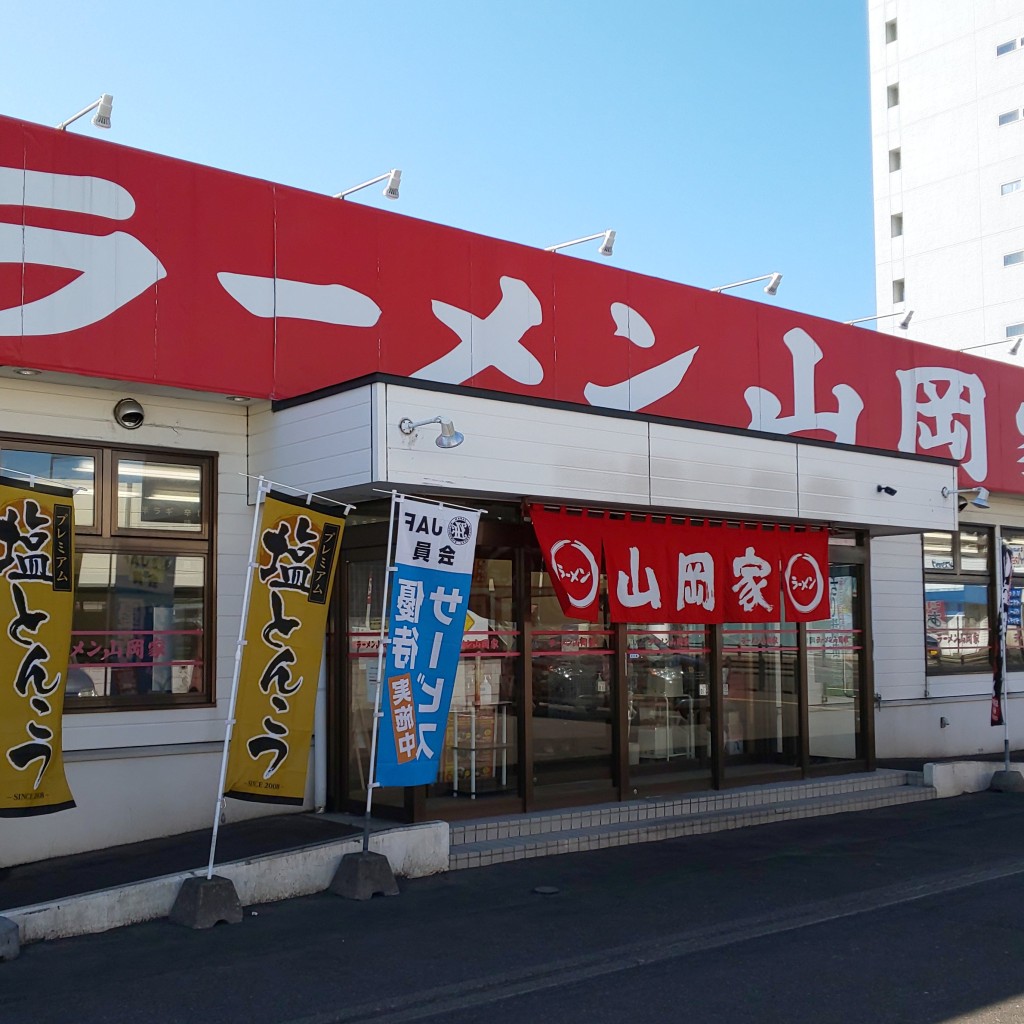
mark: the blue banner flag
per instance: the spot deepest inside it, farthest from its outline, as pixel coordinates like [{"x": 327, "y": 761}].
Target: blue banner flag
[{"x": 434, "y": 550}]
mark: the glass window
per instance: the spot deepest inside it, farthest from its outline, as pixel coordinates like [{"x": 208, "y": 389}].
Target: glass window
[
  {"x": 957, "y": 604},
  {"x": 899, "y": 290},
  {"x": 892, "y": 95},
  {"x": 1014, "y": 330},
  {"x": 1012, "y": 258},
  {"x": 1008, "y": 47},
  {"x": 890, "y": 31},
  {"x": 895, "y": 159},
  {"x": 138, "y": 626},
  {"x": 156, "y": 495},
  {"x": 140, "y": 632},
  {"x": 75, "y": 470},
  {"x": 1009, "y": 117},
  {"x": 1009, "y": 187},
  {"x": 896, "y": 224}
]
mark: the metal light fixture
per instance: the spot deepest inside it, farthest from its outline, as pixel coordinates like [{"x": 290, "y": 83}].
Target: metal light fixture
[
  {"x": 101, "y": 118},
  {"x": 884, "y": 489},
  {"x": 980, "y": 499},
  {"x": 448, "y": 438},
  {"x": 774, "y": 280},
  {"x": 1014, "y": 349},
  {"x": 903, "y": 324},
  {"x": 605, "y": 249},
  {"x": 394, "y": 180}
]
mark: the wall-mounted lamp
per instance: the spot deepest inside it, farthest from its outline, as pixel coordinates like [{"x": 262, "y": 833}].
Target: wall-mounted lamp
[
  {"x": 1015, "y": 348},
  {"x": 448, "y": 438},
  {"x": 605, "y": 249},
  {"x": 902, "y": 325},
  {"x": 129, "y": 414},
  {"x": 774, "y": 280},
  {"x": 883, "y": 489},
  {"x": 394, "y": 179},
  {"x": 980, "y": 499},
  {"x": 101, "y": 118}
]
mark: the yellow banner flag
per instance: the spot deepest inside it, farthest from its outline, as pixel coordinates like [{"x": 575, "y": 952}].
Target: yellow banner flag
[
  {"x": 36, "y": 603},
  {"x": 296, "y": 556}
]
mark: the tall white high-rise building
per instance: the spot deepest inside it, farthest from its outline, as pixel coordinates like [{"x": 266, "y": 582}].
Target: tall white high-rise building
[{"x": 947, "y": 123}]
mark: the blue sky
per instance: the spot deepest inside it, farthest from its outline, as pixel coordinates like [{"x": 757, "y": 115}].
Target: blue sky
[{"x": 720, "y": 140}]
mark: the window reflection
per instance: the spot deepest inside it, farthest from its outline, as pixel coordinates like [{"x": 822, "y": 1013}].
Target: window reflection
[
  {"x": 137, "y": 627},
  {"x": 76, "y": 472},
  {"x": 158, "y": 496}
]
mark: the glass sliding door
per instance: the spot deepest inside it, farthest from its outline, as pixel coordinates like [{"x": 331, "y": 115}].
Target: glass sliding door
[
  {"x": 480, "y": 758},
  {"x": 834, "y": 667},
  {"x": 760, "y": 699},
  {"x": 669, "y": 702},
  {"x": 572, "y": 668}
]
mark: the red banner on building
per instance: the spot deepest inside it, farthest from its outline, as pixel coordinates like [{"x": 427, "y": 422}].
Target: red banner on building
[
  {"x": 571, "y": 543},
  {"x": 804, "y": 564},
  {"x": 661, "y": 571}
]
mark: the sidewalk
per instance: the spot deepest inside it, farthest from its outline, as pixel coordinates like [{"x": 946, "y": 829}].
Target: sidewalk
[{"x": 61, "y": 877}]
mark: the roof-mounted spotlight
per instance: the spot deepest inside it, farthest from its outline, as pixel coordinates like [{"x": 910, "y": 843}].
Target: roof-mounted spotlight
[
  {"x": 980, "y": 499},
  {"x": 605, "y": 249},
  {"x": 448, "y": 438},
  {"x": 774, "y": 280},
  {"x": 902, "y": 325},
  {"x": 101, "y": 118},
  {"x": 1014, "y": 349},
  {"x": 394, "y": 180}
]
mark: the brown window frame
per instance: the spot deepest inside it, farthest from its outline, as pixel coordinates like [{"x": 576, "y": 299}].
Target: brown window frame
[{"x": 107, "y": 538}]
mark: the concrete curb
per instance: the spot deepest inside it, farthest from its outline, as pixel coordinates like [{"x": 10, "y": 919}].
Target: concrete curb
[
  {"x": 953, "y": 778},
  {"x": 413, "y": 851}
]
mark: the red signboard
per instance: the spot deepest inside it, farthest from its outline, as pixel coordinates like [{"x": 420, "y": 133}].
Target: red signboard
[{"x": 128, "y": 265}]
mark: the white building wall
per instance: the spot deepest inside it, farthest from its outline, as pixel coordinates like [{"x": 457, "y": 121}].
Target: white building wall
[
  {"x": 954, "y": 157},
  {"x": 142, "y": 774}
]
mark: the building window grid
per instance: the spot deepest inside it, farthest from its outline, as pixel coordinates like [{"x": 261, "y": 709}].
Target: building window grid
[
  {"x": 158, "y": 581},
  {"x": 959, "y": 601}
]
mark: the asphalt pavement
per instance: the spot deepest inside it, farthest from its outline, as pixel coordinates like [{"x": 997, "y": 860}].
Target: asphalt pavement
[{"x": 908, "y": 915}]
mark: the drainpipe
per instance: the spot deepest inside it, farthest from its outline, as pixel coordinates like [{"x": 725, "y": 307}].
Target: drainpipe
[{"x": 320, "y": 737}]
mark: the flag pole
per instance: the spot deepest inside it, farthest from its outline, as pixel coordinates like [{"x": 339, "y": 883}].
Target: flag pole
[
  {"x": 1004, "y": 613},
  {"x": 371, "y": 783},
  {"x": 261, "y": 491}
]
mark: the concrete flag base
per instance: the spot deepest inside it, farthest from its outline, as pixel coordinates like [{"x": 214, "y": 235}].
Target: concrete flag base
[
  {"x": 1007, "y": 782},
  {"x": 204, "y": 902},
  {"x": 363, "y": 875},
  {"x": 10, "y": 940}
]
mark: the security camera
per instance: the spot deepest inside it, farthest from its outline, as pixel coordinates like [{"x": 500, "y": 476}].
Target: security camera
[
  {"x": 883, "y": 489},
  {"x": 129, "y": 414}
]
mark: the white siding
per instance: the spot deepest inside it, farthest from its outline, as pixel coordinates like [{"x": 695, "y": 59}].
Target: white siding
[
  {"x": 322, "y": 445},
  {"x": 127, "y": 784}
]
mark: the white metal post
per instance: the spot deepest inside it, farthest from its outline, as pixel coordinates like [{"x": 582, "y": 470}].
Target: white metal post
[
  {"x": 371, "y": 783},
  {"x": 261, "y": 492}
]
